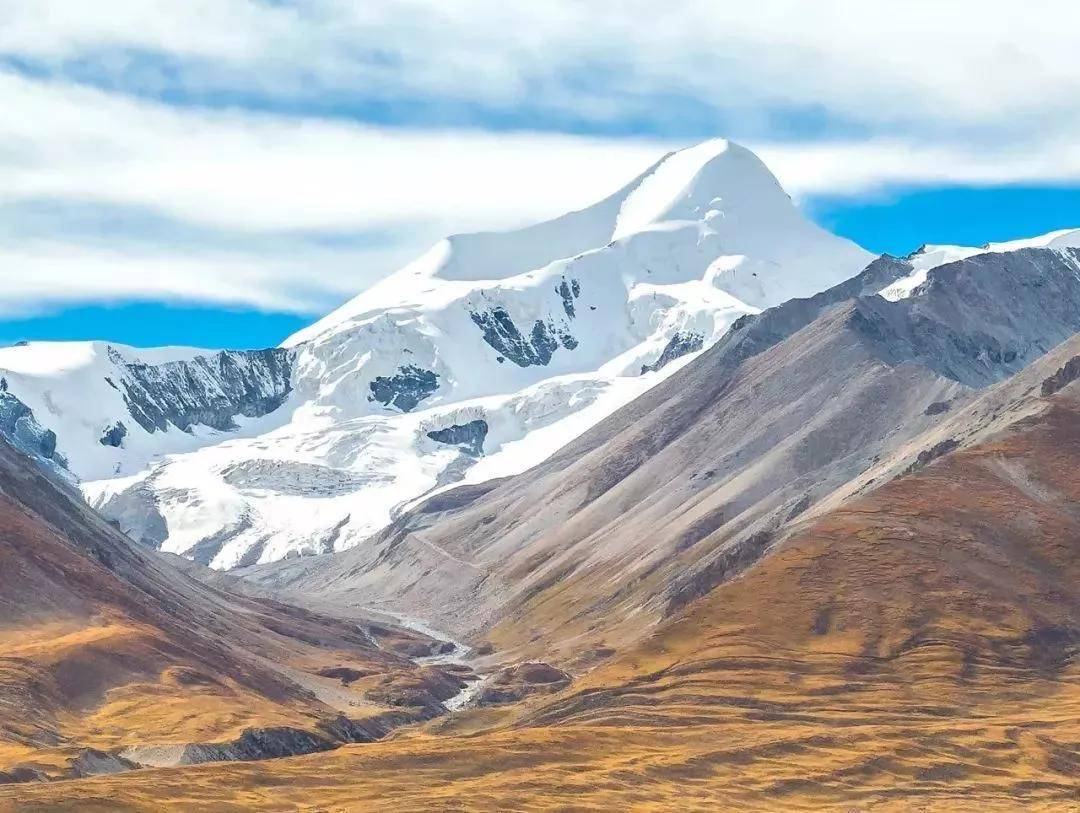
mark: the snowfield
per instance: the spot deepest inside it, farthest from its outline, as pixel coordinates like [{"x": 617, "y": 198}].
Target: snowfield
[{"x": 477, "y": 360}]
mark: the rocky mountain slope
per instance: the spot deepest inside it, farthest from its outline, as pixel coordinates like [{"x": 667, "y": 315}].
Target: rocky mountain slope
[
  {"x": 793, "y": 411},
  {"x": 917, "y": 647},
  {"x": 111, "y": 659},
  {"x": 475, "y": 361}
]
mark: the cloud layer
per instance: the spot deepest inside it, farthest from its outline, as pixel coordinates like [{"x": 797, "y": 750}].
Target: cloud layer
[{"x": 962, "y": 66}]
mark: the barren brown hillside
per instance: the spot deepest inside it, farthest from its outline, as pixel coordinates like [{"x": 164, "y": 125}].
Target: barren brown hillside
[
  {"x": 916, "y": 649},
  {"x": 110, "y": 658}
]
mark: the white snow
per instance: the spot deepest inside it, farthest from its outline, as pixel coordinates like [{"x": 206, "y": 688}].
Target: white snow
[
  {"x": 1063, "y": 238},
  {"x": 660, "y": 190},
  {"x": 700, "y": 239},
  {"x": 930, "y": 257}
]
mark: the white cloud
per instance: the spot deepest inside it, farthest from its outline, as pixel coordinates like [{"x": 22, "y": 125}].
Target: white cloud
[
  {"x": 44, "y": 274},
  {"x": 261, "y": 180},
  {"x": 257, "y": 171},
  {"x": 964, "y": 65},
  {"x": 858, "y": 167}
]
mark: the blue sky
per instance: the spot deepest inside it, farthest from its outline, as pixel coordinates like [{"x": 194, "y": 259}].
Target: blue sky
[{"x": 222, "y": 172}]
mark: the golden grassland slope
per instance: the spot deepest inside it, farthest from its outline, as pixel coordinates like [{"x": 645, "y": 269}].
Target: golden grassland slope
[
  {"x": 915, "y": 649},
  {"x": 104, "y": 647}
]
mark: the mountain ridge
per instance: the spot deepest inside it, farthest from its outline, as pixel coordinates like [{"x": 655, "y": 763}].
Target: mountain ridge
[
  {"x": 839, "y": 536},
  {"x": 792, "y": 403}
]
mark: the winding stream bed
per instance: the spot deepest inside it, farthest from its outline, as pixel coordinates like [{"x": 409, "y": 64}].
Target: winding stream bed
[{"x": 458, "y": 655}]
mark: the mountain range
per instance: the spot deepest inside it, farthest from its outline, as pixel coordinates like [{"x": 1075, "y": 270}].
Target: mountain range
[{"x": 676, "y": 501}]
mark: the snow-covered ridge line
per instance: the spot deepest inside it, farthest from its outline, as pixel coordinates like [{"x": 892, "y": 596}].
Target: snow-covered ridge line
[
  {"x": 108, "y": 406},
  {"x": 929, "y": 257}
]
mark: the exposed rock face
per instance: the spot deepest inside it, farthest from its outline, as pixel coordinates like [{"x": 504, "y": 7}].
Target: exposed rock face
[
  {"x": 469, "y": 437},
  {"x": 253, "y": 744},
  {"x": 92, "y": 762},
  {"x": 569, "y": 291},
  {"x": 135, "y": 512},
  {"x": 210, "y": 390},
  {"x": 406, "y": 389},
  {"x": 114, "y": 435},
  {"x": 680, "y": 345},
  {"x": 928, "y": 456},
  {"x": 20, "y": 427},
  {"x": 502, "y": 334},
  {"x": 981, "y": 319},
  {"x": 1068, "y": 373}
]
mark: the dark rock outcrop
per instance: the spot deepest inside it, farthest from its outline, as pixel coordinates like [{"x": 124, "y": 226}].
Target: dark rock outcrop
[
  {"x": 114, "y": 435},
  {"x": 406, "y": 389},
  {"x": 927, "y": 456},
  {"x": 679, "y": 345},
  {"x": 20, "y": 427},
  {"x": 345, "y": 674},
  {"x": 720, "y": 566},
  {"x": 209, "y": 390},
  {"x": 469, "y": 437},
  {"x": 252, "y": 744},
  {"x": 1069, "y": 372},
  {"x": 503, "y": 335},
  {"x": 568, "y": 292}
]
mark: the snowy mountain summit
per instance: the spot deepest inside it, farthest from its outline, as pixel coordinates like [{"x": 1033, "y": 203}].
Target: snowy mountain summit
[{"x": 477, "y": 360}]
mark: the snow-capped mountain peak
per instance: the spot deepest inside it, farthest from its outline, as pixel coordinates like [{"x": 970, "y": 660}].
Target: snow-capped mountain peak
[
  {"x": 716, "y": 184},
  {"x": 478, "y": 359}
]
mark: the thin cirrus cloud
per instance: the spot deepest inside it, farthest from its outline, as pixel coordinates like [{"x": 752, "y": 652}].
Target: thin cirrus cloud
[{"x": 284, "y": 155}]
